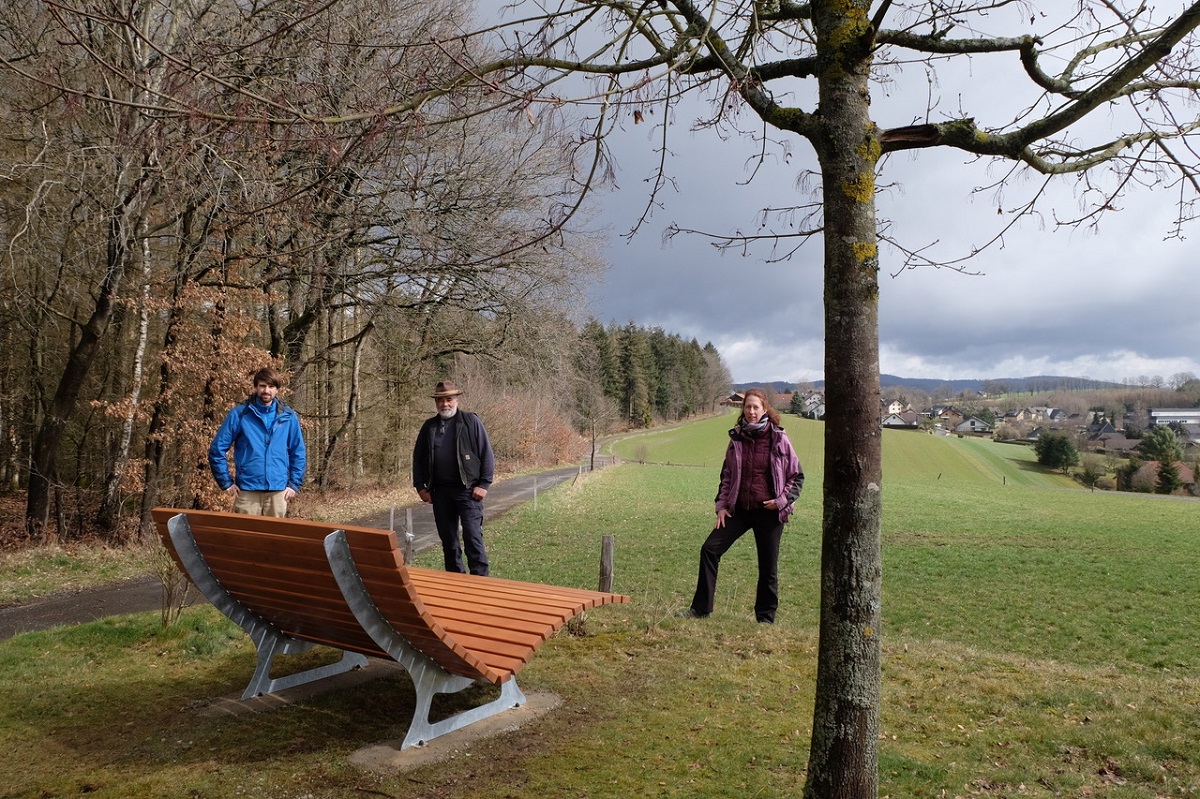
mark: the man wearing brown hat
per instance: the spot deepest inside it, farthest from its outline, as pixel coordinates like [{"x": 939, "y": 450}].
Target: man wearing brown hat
[{"x": 453, "y": 468}]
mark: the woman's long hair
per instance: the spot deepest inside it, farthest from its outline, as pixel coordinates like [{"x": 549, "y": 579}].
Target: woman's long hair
[{"x": 768, "y": 411}]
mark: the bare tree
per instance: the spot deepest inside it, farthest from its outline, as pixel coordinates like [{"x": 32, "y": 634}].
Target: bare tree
[
  {"x": 717, "y": 379},
  {"x": 1180, "y": 380},
  {"x": 101, "y": 203}
]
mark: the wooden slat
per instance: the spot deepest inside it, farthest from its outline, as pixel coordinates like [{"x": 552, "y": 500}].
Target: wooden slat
[
  {"x": 295, "y": 528},
  {"x": 531, "y": 593},
  {"x": 549, "y": 610},
  {"x": 517, "y": 585},
  {"x": 504, "y": 595},
  {"x": 435, "y": 594},
  {"x": 502, "y": 619},
  {"x": 536, "y": 604}
]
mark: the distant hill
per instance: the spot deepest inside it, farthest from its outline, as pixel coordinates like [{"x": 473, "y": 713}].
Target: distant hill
[
  {"x": 779, "y": 386},
  {"x": 952, "y": 388}
]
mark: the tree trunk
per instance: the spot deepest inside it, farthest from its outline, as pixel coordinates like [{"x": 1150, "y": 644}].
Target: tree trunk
[
  {"x": 210, "y": 403},
  {"x": 843, "y": 760},
  {"x": 351, "y": 414},
  {"x": 109, "y": 514},
  {"x": 154, "y": 448},
  {"x": 43, "y": 470}
]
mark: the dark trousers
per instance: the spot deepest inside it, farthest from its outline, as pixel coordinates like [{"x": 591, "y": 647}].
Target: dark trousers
[
  {"x": 767, "y": 533},
  {"x": 452, "y": 506}
]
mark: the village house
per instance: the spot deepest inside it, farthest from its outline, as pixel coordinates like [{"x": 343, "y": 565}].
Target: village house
[
  {"x": 1114, "y": 443},
  {"x": 813, "y": 405},
  {"x": 904, "y": 420},
  {"x": 973, "y": 425},
  {"x": 1147, "y": 476},
  {"x": 951, "y": 417}
]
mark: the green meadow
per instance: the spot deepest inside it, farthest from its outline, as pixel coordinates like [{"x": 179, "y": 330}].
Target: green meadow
[{"x": 1038, "y": 642}]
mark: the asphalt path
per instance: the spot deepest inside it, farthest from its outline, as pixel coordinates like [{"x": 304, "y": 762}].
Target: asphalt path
[{"x": 145, "y": 593}]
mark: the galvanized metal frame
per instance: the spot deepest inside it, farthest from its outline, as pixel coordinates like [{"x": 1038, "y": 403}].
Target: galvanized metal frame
[
  {"x": 269, "y": 640},
  {"x": 427, "y": 676}
]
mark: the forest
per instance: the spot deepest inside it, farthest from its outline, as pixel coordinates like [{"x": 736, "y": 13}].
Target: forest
[{"x": 153, "y": 259}]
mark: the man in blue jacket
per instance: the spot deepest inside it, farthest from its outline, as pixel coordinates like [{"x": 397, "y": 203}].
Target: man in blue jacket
[
  {"x": 453, "y": 468},
  {"x": 268, "y": 451}
]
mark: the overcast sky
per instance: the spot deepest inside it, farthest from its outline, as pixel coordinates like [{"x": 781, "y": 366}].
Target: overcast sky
[{"x": 1110, "y": 305}]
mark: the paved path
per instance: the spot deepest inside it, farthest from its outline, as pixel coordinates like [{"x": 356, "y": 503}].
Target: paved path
[{"x": 145, "y": 593}]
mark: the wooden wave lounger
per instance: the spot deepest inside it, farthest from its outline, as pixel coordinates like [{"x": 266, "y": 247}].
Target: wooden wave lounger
[{"x": 291, "y": 584}]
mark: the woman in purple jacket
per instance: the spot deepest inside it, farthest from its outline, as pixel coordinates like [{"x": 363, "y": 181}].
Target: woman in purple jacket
[{"x": 760, "y": 482}]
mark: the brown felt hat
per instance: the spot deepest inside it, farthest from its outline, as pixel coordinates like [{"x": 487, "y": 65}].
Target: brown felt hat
[{"x": 446, "y": 388}]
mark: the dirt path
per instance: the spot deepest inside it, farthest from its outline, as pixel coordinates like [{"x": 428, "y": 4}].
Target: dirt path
[{"x": 145, "y": 593}]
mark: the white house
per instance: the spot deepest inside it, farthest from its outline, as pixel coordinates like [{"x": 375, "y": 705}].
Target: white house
[
  {"x": 972, "y": 425},
  {"x": 905, "y": 420}
]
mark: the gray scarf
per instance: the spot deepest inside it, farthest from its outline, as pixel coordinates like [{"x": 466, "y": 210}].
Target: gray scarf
[{"x": 757, "y": 427}]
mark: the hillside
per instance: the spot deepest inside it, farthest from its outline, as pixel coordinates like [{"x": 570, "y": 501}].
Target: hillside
[
  {"x": 908, "y": 456},
  {"x": 952, "y": 388}
]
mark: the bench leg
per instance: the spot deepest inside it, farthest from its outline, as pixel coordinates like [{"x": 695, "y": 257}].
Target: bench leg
[
  {"x": 428, "y": 677},
  {"x": 268, "y": 640},
  {"x": 427, "y": 684},
  {"x": 268, "y": 645}
]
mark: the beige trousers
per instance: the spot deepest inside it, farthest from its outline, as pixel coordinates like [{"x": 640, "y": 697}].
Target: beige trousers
[{"x": 260, "y": 503}]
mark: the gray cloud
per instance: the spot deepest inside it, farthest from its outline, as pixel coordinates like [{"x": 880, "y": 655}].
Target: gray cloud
[{"x": 1111, "y": 304}]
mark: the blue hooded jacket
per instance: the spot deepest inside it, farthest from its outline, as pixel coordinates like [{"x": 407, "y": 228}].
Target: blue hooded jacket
[{"x": 266, "y": 458}]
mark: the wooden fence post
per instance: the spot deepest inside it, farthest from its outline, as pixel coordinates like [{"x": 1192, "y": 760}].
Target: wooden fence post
[
  {"x": 606, "y": 563},
  {"x": 408, "y": 536}
]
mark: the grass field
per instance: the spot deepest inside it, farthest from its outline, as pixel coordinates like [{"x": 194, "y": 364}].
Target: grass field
[
  {"x": 908, "y": 456},
  {"x": 1038, "y": 642}
]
